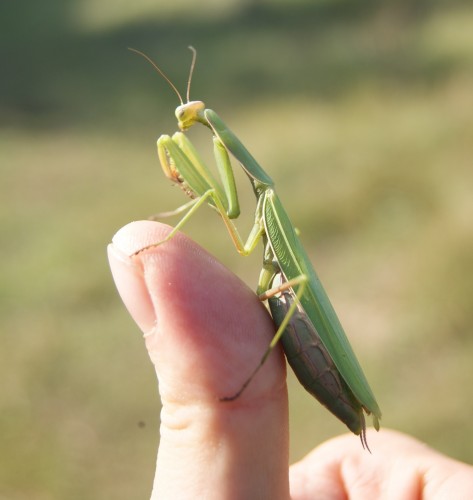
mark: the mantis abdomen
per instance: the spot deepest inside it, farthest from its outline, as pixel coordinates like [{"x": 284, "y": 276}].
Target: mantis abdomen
[{"x": 313, "y": 365}]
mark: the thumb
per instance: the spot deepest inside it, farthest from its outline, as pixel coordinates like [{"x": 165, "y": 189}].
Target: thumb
[{"x": 205, "y": 332}]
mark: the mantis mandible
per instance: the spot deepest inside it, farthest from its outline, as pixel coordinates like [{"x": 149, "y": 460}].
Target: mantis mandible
[{"x": 313, "y": 339}]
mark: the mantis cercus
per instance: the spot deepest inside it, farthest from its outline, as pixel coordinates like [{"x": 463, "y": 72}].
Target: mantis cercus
[{"x": 314, "y": 341}]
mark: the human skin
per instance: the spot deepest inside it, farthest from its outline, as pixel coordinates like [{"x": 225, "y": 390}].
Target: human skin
[{"x": 205, "y": 331}]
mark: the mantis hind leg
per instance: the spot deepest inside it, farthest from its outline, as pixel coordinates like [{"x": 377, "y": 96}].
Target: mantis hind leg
[{"x": 301, "y": 281}]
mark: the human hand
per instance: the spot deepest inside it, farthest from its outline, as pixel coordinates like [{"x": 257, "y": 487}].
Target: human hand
[{"x": 205, "y": 331}]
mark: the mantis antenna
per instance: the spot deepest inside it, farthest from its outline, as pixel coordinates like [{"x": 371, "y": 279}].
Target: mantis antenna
[
  {"x": 163, "y": 74},
  {"x": 191, "y": 71}
]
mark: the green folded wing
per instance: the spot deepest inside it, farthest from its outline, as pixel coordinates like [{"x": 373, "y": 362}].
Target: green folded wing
[{"x": 294, "y": 262}]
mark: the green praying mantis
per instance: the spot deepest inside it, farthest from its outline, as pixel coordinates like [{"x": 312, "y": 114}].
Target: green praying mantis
[{"x": 313, "y": 339}]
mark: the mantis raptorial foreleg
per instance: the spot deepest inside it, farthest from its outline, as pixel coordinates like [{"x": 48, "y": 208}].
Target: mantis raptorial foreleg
[{"x": 197, "y": 182}]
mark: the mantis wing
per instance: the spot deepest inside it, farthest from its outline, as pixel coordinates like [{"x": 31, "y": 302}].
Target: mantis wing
[{"x": 294, "y": 262}]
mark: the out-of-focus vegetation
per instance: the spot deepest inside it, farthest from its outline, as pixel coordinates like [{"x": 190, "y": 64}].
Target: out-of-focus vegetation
[{"x": 362, "y": 112}]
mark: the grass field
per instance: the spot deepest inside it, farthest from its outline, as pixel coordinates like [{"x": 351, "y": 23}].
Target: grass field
[{"x": 363, "y": 112}]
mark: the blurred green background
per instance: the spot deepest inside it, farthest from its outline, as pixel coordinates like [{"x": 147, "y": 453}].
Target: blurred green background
[{"x": 361, "y": 111}]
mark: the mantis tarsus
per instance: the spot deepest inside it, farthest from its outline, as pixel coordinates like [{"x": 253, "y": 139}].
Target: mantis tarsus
[{"x": 314, "y": 341}]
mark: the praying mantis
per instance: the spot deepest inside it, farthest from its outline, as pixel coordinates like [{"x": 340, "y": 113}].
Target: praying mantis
[{"x": 313, "y": 339}]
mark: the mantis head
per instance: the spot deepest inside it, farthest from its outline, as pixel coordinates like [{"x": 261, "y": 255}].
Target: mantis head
[{"x": 189, "y": 113}]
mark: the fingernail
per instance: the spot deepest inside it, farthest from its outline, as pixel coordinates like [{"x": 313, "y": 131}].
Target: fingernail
[{"x": 129, "y": 279}]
